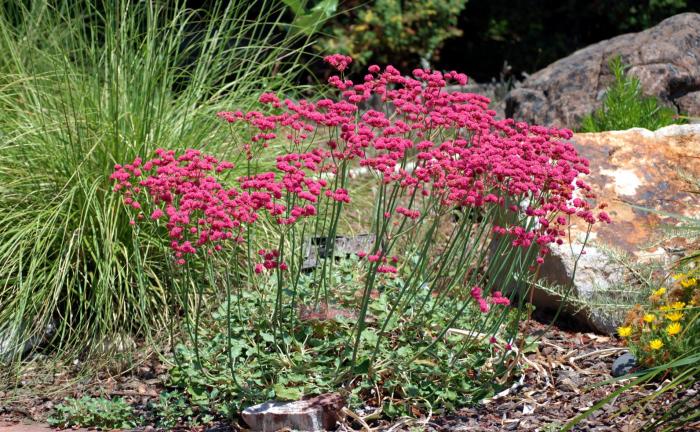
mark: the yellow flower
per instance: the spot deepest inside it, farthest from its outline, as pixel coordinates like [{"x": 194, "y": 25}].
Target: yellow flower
[
  {"x": 689, "y": 282},
  {"x": 678, "y": 276},
  {"x": 656, "y": 344},
  {"x": 624, "y": 331},
  {"x": 659, "y": 292},
  {"x": 674, "y": 316},
  {"x": 678, "y": 305},
  {"x": 649, "y": 318},
  {"x": 665, "y": 308},
  {"x": 673, "y": 329}
]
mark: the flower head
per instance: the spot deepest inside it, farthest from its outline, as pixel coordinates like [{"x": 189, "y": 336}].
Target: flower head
[
  {"x": 687, "y": 283},
  {"x": 624, "y": 331},
  {"x": 673, "y": 329},
  {"x": 674, "y": 316},
  {"x": 679, "y": 305},
  {"x": 656, "y": 344},
  {"x": 649, "y": 318},
  {"x": 659, "y": 292}
]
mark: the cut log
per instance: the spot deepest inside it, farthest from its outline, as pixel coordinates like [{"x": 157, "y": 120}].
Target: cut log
[{"x": 319, "y": 413}]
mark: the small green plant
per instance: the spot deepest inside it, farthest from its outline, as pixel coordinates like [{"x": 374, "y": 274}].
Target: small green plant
[
  {"x": 94, "y": 412},
  {"x": 626, "y": 107},
  {"x": 668, "y": 325},
  {"x": 174, "y": 408},
  {"x": 394, "y": 31}
]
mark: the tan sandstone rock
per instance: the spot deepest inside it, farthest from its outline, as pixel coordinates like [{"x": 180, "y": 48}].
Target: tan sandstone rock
[{"x": 632, "y": 170}]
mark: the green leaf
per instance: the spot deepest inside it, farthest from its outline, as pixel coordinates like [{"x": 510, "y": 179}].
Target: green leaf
[
  {"x": 308, "y": 23},
  {"x": 288, "y": 393},
  {"x": 361, "y": 367},
  {"x": 295, "y": 5}
]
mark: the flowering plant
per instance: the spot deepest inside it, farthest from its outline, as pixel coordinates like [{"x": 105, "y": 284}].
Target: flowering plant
[
  {"x": 461, "y": 208},
  {"x": 666, "y": 327}
]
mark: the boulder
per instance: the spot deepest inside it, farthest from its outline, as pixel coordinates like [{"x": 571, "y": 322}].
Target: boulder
[
  {"x": 631, "y": 171},
  {"x": 319, "y": 413},
  {"x": 665, "y": 58}
]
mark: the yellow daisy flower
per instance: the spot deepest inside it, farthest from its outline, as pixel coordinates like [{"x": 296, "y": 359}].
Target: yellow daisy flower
[
  {"x": 674, "y": 316},
  {"x": 656, "y": 344},
  {"x": 649, "y": 318},
  {"x": 678, "y": 305},
  {"x": 624, "y": 331},
  {"x": 678, "y": 276},
  {"x": 673, "y": 329},
  {"x": 689, "y": 282},
  {"x": 659, "y": 292},
  {"x": 665, "y": 308}
]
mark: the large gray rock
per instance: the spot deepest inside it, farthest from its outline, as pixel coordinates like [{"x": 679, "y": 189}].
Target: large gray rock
[{"x": 665, "y": 58}]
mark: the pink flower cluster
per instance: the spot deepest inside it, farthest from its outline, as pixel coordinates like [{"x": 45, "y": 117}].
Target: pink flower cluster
[
  {"x": 198, "y": 211},
  {"x": 445, "y": 147},
  {"x": 464, "y": 156},
  {"x": 271, "y": 260},
  {"x": 496, "y": 299}
]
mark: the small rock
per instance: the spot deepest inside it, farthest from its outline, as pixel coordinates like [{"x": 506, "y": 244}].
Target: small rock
[
  {"x": 568, "y": 385},
  {"x": 315, "y": 414},
  {"x": 623, "y": 364}
]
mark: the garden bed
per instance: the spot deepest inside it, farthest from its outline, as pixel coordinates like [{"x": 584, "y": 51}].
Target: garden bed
[{"x": 563, "y": 376}]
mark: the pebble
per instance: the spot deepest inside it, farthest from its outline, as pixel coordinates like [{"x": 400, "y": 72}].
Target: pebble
[{"x": 624, "y": 364}]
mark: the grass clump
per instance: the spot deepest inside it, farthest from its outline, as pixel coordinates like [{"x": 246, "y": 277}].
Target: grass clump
[
  {"x": 84, "y": 85},
  {"x": 625, "y": 106}
]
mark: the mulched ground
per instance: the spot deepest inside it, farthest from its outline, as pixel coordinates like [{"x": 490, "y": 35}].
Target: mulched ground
[{"x": 561, "y": 381}]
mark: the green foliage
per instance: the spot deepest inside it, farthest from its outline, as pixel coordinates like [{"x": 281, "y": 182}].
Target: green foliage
[
  {"x": 94, "y": 412},
  {"x": 173, "y": 409},
  {"x": 310, "y": 21},
  {"x": 311, "y": 355},
  {"x": 84, "y": 85},
  {"x": 625, "y": 106},
  {"x": 393, "y": 31}
]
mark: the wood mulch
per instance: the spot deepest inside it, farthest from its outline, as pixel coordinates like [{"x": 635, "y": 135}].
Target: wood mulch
[{"x": 566, "y": 375}]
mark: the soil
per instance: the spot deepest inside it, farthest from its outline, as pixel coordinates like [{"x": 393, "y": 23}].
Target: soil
[{"x": 567, "y": 374}]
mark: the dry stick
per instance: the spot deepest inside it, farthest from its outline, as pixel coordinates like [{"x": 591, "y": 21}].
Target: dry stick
[
  {"x": 359, "y": 419},
  {"x": 608, "y": 351}
]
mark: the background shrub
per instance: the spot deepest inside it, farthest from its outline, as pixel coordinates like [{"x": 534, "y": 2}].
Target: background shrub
[{"x": 403, "y": 33}]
